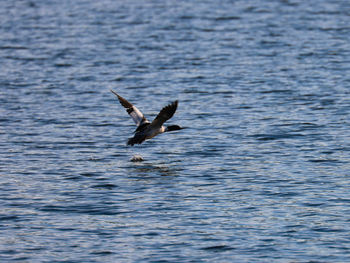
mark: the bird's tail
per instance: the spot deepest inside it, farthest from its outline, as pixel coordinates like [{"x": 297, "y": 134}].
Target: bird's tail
[{"x": 137, "y": 139}]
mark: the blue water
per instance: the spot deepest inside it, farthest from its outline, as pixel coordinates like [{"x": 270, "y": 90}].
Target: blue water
[{"x": 262, "y": 174}]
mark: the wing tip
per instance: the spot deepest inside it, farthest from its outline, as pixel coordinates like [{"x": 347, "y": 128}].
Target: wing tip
[
  {"x": 119, "y": 97},
  {"x": 174, "y": 104},
  {"x": 170, "y": 109},
  {"x": 126, "y": 104},
  {"x": 115, "y": 93}
]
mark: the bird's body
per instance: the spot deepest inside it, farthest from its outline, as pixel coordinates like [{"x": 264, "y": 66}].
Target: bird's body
[{"x": 145, "y": 129}]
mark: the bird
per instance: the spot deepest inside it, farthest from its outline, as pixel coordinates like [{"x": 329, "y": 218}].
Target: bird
[{"x": 145, "y": 129}]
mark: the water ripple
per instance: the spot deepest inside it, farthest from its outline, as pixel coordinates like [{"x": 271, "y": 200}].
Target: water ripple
[{"x": 260, "y": 175}]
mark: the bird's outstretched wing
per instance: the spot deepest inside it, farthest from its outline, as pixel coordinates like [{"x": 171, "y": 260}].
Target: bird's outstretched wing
[
  {"x": 165, "y": 114},
  {"x": 134, "y": 112}
]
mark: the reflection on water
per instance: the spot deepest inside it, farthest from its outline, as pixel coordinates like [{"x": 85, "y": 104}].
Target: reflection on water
[{"x": 147, "y": 169}]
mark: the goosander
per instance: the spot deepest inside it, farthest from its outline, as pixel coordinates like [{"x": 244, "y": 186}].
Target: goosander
[{"x": 145, "y": 129}]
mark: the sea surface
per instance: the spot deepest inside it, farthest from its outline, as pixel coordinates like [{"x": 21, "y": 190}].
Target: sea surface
[{"x": 261, "y": 174}]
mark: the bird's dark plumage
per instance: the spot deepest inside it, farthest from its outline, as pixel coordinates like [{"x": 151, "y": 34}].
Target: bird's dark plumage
[
  {"x": 146, "y": 130},
  {"x": 165, "y": 114}
]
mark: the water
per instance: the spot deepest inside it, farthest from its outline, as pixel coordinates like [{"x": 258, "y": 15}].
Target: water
[{"x": 261, "y": 175}]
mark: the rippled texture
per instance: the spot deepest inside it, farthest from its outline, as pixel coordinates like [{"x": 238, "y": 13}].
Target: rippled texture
[{"x": 261, "y": 175}]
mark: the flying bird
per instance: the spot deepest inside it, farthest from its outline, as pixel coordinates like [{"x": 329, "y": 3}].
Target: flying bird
[{"x": 145, "y": 129}]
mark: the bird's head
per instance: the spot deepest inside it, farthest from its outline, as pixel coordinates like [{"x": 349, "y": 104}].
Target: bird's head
[{"x": 173, "y": 128}]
